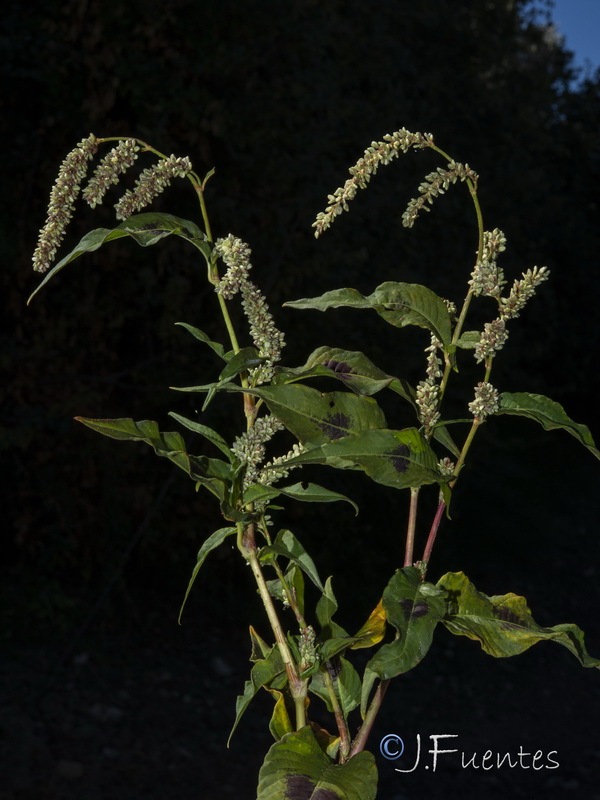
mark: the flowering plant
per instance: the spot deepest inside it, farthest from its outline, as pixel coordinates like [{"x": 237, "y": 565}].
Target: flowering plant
[{"x": 344, "y": 429}]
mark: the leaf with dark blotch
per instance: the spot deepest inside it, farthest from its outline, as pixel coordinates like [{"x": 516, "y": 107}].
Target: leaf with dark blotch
[
  {"x": 353, "y": 369},
  {"x": 414, "y": 607},
  {"x": 548, "y": 413},
  {"x": 503, "y": 624},
  {"x": 393, "y": 458},
  {"x": 296, "y": 768}
]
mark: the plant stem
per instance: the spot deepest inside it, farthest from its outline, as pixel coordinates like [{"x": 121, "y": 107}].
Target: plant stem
[
  {"x": 338, "y": 713},
  {"x": 362, "y": 736},
  {"x": 412, "y": 522},
  {"x": 298, "y": 686},
  {"x": 442, "y": 503}
]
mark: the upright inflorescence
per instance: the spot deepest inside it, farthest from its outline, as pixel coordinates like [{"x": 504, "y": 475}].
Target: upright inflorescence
[
  {"x": 488, "y": 278},
  {"x": 378, "y": 153},
  {"x": 108, "y": 171},
  {"x": 435, "y": 184},
  {"x": 268, "y": 339},
  {"x": 486, "y": 401},
  {"x": 250, "y": 446},
  {"x": 62, "y": 202},
  {"x": 151, "y": 182}
]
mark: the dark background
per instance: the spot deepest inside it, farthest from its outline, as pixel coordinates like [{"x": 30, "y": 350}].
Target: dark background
[{"x": 103, "y": 694}]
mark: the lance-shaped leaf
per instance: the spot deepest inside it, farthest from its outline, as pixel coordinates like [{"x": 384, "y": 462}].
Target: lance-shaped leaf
[
  {"x": 548, "y": 413},
  {"x": 414, "y": 607},
  {"x": 212, "y": 473},
  {"x": 261, "y": 674},
  {"x": 203, "y": 337},
  {"x": 393, "y": 458},
  {"x": 288, "y": 546},
  {"x": 214, "y": 540},
  {"x": 306, "y": 493},
  {"x": 208, "y": 433},
  {"x": 503, "y": 624},
  {"x": 399, "y": 304},
  {"x": 352, "y": 368},
  {"x": 280, "y": 723},
  {"x": 296, "y": 768},
  {"x": 146, "y": 229},
  {"x": 294, "y": 579}
]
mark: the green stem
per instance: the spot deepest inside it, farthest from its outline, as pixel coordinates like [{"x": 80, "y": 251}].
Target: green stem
[
  {"x": 412, "y": 523},
  {"x": 362, "y": 736},
  {"x": 338, "y": 713}
]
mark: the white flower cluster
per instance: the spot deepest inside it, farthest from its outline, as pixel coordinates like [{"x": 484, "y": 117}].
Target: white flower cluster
[
  {"x": 487, "y": 278},
  {"x": 268, "y": 340},
  {"x": 250, "y": 446},
  {"x": 151, "y": 183},
  {"x": 114, "y": 164},
  {"x": 62, "y": 202},
  {"x": 492, "y": 340},
  {"x": 428, "y": 395},
  {"x": 522, "y": 291},
  {"x": 435, "y": 184},
  {"x": 486, "y": 401},
  {"x": 378, "y": 153}
]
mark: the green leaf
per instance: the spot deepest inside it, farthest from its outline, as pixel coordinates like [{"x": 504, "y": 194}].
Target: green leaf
[
  {"x": 202, "y": 337},
  {"x": 146, "y": 229},
  {"x": 399, "y": 304},
  {"x": 393, "y": 458},
  {"x": 294, "y": 579},
  {"x": 346, "y": 684},
  {"x": 214, "y": 540},
  {"x": 241, "y": 361},
  {"x": 212, "y": 473},
  {"x": 288, "y": 546},
  {"x": 414, "y": 607},
  {"x": 208, "y": 433},
  {"x": 306, "y": 493},
  {"x": 353, "y": 369},
  {"x": 503, "y": 624},
  {"x": 261, "y": 674},
  {"x": 548, "y": 413},
  {"x": 297, "y": 769},
  {"x": 469, "y": 340}
]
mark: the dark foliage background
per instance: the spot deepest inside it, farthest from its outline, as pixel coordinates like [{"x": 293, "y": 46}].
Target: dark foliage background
[{"x": 99, "y": 538}]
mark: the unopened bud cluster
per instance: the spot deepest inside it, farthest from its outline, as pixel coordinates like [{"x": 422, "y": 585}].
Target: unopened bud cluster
[
  {"x": 62, "y": 201},
  {"x": 435, "y": 184},
  {"x": 378, "y": 153},
  {"x": 434, "y": 362},
  {"x": 306, "y": 648},
  {"x": 250, "y": 446},
  {"x": 151, "y": 182},
  {"x": 108, "y": 171},
  {"x": 446, "y": 466},
  {"x": 486, "y": 401}
]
